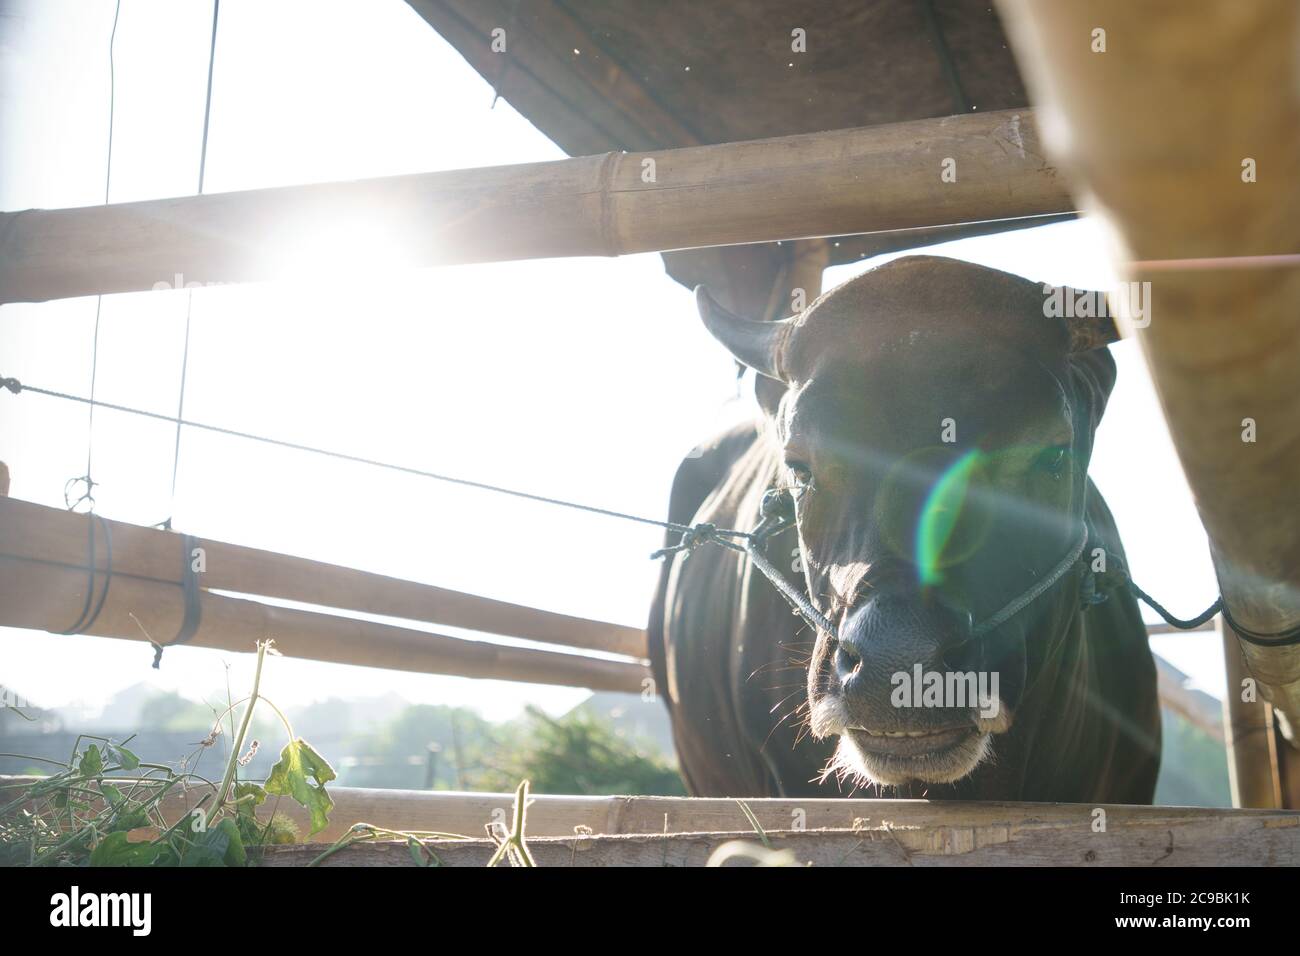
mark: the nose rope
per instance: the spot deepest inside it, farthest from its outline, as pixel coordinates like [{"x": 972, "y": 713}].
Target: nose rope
[
  {"x": 778, "y": 515},
  {"x": 795, "y": 597},
  {"x": 777, "y": 510},
  {"x": 1028, "y": 597}
]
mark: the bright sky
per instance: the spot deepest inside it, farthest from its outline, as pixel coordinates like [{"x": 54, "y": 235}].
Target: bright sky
[{"x": 585, "y": 379}]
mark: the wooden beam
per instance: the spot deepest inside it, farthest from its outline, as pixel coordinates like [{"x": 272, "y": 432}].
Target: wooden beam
[
  {"x": 39, "y": 533},
  {"x": 890, "y": 832},
  {"x": 48, "y": 597},
  {"x": 1175, "y": 135},
  {"x": 795, "y": 187},
  {"x": 1213, "y": 838}
]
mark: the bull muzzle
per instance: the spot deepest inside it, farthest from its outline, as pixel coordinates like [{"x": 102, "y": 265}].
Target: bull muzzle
[{"x": 903, "y": 686}]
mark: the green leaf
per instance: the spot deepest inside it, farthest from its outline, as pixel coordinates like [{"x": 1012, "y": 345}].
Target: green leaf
[
  {"x": 113, "y": 794},
  {"x": 417, "y": 851},
  {"x": 131, "y": 820},
  {"x": 248, "y": 797},
  {"x": 92, "y": 763},
  {"x": 116, "y": 850},
  {"x": 289, "y": 778},
  {"x": 219, "y": 846},
  {"x": 126, "y": 758},
  {"x": 249, "y": 807},
  {"x": 234, "y": 854}
]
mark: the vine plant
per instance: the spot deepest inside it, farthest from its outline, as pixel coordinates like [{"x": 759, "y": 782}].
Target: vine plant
[{"x": 92, "y": 810}]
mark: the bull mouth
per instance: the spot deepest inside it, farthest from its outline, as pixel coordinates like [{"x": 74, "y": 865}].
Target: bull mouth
[
  {"x": 893, "y": 758},
  {"x": 909, "y": 743}
]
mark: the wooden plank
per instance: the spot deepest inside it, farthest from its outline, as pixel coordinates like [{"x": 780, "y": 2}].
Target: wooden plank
[
  {"x": 1213, "y": 838},
  {"x": 36, "y": 532},
  {"x": 562, "y": 816},
  {"x": 49, "y": 597},
  {"x": 795, "y": 187},
  {"x": 631, "y": 830}
]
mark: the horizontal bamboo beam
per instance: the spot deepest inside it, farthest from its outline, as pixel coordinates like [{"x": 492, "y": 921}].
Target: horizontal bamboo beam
[
  {"x": 844, "y": 182},
  {"x": 40, "y": 533},
  {"x": 48, "y": 597}
]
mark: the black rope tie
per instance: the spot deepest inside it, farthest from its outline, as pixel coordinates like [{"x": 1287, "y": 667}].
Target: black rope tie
[
  {"x": 777, "y": 511},
  {"x": 90, "y": 608},
  {"x": 193, "y": 615},
  {"x": 1098, "y": 584}
]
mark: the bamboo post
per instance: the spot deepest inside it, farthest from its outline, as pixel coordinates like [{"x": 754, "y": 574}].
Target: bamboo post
[
  {"x": 1172, "y": 123},
  {"x": 796, "y": 187},
  {"x": 1248, "y": 734}
]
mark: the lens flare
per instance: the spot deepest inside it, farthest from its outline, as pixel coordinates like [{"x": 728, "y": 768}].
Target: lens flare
[{"x": 939, "y": 516}]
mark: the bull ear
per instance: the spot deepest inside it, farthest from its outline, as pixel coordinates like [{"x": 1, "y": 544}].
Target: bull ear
[{"x": 757, "y": 344}]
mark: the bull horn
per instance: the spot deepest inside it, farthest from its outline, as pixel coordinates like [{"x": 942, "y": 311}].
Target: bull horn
[
  {"x": 759, "y": 345},
  {"x": 1086, "y": 332},
  {"x": 1091, "y": 333}
]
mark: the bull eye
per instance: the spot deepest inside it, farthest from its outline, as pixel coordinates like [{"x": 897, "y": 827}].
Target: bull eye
[
  {"x": 800, "y": 475},
  {"x": 1052, "y": 462}
]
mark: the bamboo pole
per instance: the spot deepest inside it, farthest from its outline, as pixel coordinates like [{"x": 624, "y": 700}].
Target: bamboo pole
[
  {"x": 808, "y": 186},
  {"x": 1174, "y": 126},
  {"x": 48, "y": 597},
  {"x": 1248, "y": 733},
  {"x": 40, "y": 533}
]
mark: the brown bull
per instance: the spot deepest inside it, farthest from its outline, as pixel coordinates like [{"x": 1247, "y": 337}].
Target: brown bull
[{"x": 932, "y": 425}]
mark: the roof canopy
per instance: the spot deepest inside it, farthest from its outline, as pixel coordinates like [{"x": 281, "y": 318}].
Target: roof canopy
[{"x": 600, "y": 75}]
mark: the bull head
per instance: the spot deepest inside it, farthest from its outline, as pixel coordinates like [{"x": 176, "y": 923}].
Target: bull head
[
  {"x": 934, "y": 430},
  {"x": 760, "y": 345}
]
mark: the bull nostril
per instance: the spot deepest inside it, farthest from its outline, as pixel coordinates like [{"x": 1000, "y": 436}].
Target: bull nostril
[{"x": 847, "y": 660}]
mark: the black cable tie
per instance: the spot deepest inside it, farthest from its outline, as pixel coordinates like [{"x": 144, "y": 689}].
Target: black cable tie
[
  {"x": 1287, "y": 638},
  {"x": 90, "y": 614},
  {"x": 193, "y": 605},
  {"x": 12, "y": 384}
]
